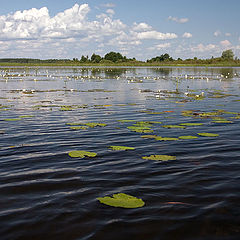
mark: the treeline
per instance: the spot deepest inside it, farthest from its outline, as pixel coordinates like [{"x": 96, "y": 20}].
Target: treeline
[{"x": 112, "y": 58}]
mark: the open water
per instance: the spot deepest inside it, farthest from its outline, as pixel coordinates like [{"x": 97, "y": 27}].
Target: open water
[{"x": 46, "y": 194}]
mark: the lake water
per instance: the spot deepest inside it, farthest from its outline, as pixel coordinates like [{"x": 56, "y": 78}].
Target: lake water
[{"x": 46, "y": 194}]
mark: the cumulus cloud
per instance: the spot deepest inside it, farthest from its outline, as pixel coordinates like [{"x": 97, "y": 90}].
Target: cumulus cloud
[
  {"x": 187, "y": 35},
  {"x": 141, "y": 27},
  {"x": 108, "y": 5},
  {"x": 178, "y": 20},
  {"x": 225, "y": 43},
  {"x": 69, "y": 31},
  {"x": 217, "y": 33},
  {"x": 203, "y": 48},
  {"x": 155, "y": 35}
]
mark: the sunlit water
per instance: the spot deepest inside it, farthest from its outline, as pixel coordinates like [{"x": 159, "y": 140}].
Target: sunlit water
[{"x": 46, "y": 194}]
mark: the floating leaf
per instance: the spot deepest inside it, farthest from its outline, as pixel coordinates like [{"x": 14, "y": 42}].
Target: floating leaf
[
  {"x": 160, "y": 157},
  {"x": 79, "y": 127},
  {"x": 187, "y": 137},
  {"x": 159, "y": 138},
  {"x": 82, "y": 154},
  {"x": 148, "y": 136},
  {"x": 191, "y": 124},
  {"x": 121, "y": 148},
  {"x": 122, "y": 200},
  {"x": 12, "y": 119},
  {"x": 26, "y": 116},
  {"x": 74, "y": 124},
  {"x": 66, "y": 109},
  {"x": 208, "y": 134},
  {"x": 173, "y": 126},
  {"x": 92, "y": 125}
]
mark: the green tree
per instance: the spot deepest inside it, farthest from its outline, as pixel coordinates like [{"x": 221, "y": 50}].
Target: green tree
[
  {"x": 84, "y": 59},
  {"x": 113, "y": 56},
  {"x": 227, "y": 54},
  {"x": 96, "y": 58}
]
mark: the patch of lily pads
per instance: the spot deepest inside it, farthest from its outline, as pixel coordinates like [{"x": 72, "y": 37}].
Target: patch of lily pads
[
  {"x": 81, "y": 154},
  {"x": 122, "y": 200},
  {"x": 12, "y": 119}
]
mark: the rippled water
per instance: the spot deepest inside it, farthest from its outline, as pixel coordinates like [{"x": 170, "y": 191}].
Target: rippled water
[{"x": 46, "y": 194}]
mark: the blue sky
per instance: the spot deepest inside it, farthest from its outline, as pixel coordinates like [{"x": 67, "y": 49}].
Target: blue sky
[{"x": 142, "y": 29}]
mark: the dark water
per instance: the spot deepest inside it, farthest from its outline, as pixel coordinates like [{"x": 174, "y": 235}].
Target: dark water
[{"x": 46, "y": 194}]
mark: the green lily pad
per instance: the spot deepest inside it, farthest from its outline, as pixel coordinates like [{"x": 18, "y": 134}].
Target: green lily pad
[
  {"x": 66, "y": 109},
  {"x": 148, "y": 136},
  {"x": 191, "y": 124},
  {"x": 122, "y": 200},
  {"x": 74, "y": 124},
  {"x": 79, "y": 127},
  {"x": 82, "y": 154},
  {"x": 92, "y": 125},
  {"x": 187, "y": 137},
  {"x": 26, "y": 116},
  {"x": 12, "y": 119},
  {"x": 160, "y": 157},
  {"x": 173, "y": 126},
  {"x": 208, "y": 134},
  {"x": 121, "y": 148},
  {"x": 159, "y": 138}
]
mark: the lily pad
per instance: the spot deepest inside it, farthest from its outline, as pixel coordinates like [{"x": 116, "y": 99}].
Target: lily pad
[
  {"x": 187, "y": 137},
  {"x": 82, "y": 154},
  {"x": 122, "y": 200},
  {"x": 121, "y": 148},
  {"x": 173, "y": 126},
  {"x": 159, "y": 138},
  {"x": 148, "y": 136},
  {"x": 74, "y": 124},
  {"x": 208, "y": 134},
  {"x": 126, "y": 121},
  {"x": 92, "y": 125},
  {"x": 26, "y": 116},
  {"x": 160, "y": 157},
  {"x": 191, "y": 124},
  {"x": 79, "y": 127},
  {"x": 12, "y": 119}
]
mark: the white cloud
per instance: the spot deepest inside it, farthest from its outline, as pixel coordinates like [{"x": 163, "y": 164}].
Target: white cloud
[
  {"x": 162, "y": 46},
  {"x": 225, "y": 43},
  {"x": 141, "y": 27},
  {"x": 187, "y": 35},
  {"x": 111, "y": 12},
  {"x": 178, "y": 20},
  {"x": 34, "y": 33},
  {"x": 217, "y": 33},
  {"x": 155, "y": 35},
  {"x": 203, "y": 48},
  {"x": 108, "y": 5},
  {"x": 228, "y": 34}
]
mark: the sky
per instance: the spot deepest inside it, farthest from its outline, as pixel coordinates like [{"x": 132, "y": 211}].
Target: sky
[{"x": 142, "y": 29}]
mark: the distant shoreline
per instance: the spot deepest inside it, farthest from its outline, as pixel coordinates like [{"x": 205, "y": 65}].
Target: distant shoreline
[{"x": 8, "y": 64}]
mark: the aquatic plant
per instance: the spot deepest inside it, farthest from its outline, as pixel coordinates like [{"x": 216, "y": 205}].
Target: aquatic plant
[
  {"x": 160, "y": 157},
  {"x": 191, "y": 124},
  {"x": 159, "y": 138},
  {"x": 121, "y": 148},
  {"x": 208, "y": 134},
  {"x": 82, "y": 154},
  {"x": 187, "y": 137},
  {"x": 172, "y": 126},
  {"x": 122, "y": 200}
]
